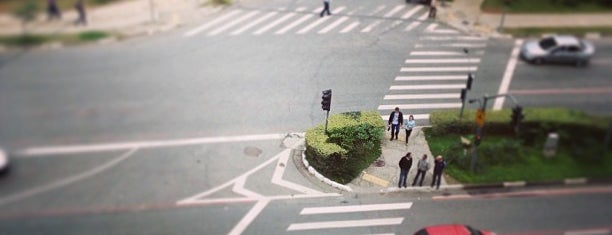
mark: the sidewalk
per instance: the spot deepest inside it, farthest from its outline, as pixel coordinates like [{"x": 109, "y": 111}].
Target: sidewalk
[
  {"x": 128, "y": 18},
  {"x": 467, "y": 16}
]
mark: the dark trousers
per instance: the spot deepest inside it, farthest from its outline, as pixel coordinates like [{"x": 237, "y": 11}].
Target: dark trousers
[
  {"x": 325, "y": 9},
  {"x": 437, "y": 177},
  {"x": 403, "y": 177},
  {"x": 394, "y": 130},
  {"x": 408, "y": 132},
  {"x": 422, "y": 175}
]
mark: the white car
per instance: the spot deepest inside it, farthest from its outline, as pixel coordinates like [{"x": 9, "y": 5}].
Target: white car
[
  {"x": 558, "y": 49},
  {"x": 4, "y": 162}
]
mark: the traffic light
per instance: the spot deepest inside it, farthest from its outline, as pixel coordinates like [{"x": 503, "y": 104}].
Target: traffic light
[
  {"x": 326, "y": 103},
  {"x": 517, "y": 115},
  {"x": 470, "y": 79},
  {"x": 463, "y": 95}
]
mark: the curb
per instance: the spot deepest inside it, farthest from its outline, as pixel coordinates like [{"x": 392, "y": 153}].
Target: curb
[{"x": 322, "y": 178}]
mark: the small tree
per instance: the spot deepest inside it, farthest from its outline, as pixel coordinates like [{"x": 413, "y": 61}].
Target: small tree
[{"x": 26, "y": 13}]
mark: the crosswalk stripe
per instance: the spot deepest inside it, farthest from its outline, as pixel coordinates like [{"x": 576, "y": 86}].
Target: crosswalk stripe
[
  {"x": 427, "y": 87},
  {"x": 276, "y": 22},
  {"x": 229, "y": 25},
  {"x": 432, "y": 29},
  {"x": 438, "y": 69},
  {"x": 461, "y": 45},
  {"x": 349, "y": 27},
  {"x": 445, "y": 53},
  {"x": 356, "y": 208},
  {"x": 211, "y": 23},
  {"x": 424, "y": 16},
  {"x": 394, "y": 10},
  {"x": 431, "y": 78},
  {"x": 253, "y": 23},
  {"x": 297, "y": 22},
  {"x": 333, "y": 25},
  {"x": 371, "y": 26},
  {"x": 412, "y": 25},
  {"x": 448, "y": 38},
  {"x": 320, "y": 21},
  {"x": 412, "y": 11},
  {"x": 415, "y": 116},
  {"x": 423, "y": 96},
  {"x": 420, "y": 106},
  {"x": 442, "y": 61},
  {"x": 345, "y": 224}
]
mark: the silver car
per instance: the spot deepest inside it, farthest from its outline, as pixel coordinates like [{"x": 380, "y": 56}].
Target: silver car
[{"x": 558, "y": 49}]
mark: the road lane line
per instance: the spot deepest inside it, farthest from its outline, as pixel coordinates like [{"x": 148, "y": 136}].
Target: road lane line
[
  {"x": 276, "y": 22},
  {"x": 253, "y": 23},
  {"x": 428, "y": 53},
  {"x": 72, "y": 149},
  {"x": 505, "y": 84},
  {"x": 420, "y": 106},
  {"x": 279, "y": 171},
  {"x": 239, "y": 189},
  {"x": 460, "y": 45},
  {"x": 439, "y": 69},
  {"x": 345, "y": 224},
  {"x": 210, "y": 23},
  {"x": 411, "y": 12},
  {"x": 249, "y": 217},
  {"x": 431, "y": 78},
  {"x": 67, "y": 181},
  {"x": 319, "y": 21},
  {"x": 442, "y": 61},
  {"x": 428, "y": 87},
  {"x": 448, "y": 38},
  {"x": 423, "y": 96},
  {"x": 356, "y": 208},
  {"x": 564, "y": 91},
  {"x": 231, "y": 24}
]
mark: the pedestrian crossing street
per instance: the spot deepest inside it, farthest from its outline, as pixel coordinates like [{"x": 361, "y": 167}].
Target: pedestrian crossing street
[
  {"x": 434, "y": 73},
  {"x": 306, "y": 20},
  {"x": 375, "y": 219}
]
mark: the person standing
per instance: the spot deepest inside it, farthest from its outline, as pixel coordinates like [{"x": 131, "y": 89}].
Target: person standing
[
  {"x": 53, "y": 11},
  {"x": 325, "y": 8},
  {"x": 422, "y": 167},
  {"x": 439, "y": 165},
  {"x": 396, "y": 119},
  {"x": 80, "y": 7},
  {"x": 405, "y": 163},
  {"x": 408, "y": 126}
]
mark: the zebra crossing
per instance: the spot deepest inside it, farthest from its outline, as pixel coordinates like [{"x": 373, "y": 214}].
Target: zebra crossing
[
  {"x": 317, "y": 212},
  {"x": 304, "y": 20},
  {"x": 434, "y": 73}
]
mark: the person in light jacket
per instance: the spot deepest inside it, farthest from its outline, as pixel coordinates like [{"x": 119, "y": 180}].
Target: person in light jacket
[
  {"x": 422, "y": 167},
  {"x": 408, "y": 126}
]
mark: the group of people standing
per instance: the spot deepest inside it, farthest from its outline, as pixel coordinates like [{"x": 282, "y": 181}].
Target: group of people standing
[
  {"x": 396, "y": 120},
  {"x": 54, "y": 12}
]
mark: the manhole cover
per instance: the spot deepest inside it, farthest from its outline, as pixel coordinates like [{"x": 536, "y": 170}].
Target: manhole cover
[{"x": 252, "y": 151}]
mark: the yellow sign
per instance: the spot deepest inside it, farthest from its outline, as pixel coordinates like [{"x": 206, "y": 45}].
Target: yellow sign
[
  {"x": 480, "y": 117},
  {"x": 374, "y": 179}
]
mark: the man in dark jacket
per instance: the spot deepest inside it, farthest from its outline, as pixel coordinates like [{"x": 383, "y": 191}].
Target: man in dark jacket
[
  {"x": 437, "y": 174},
  {"x": 405, "y": 163},
  {"x": 396, "y": 119}
]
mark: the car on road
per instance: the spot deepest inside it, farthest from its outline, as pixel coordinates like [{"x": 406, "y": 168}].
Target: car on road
[
  {"x": 452, "y": 229},
  {"x": 558, "y": 49},
  {"x": 4, "y": 162}
]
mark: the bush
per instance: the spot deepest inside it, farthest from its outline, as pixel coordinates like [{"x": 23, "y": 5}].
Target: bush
[
  {"x": 352, "y": 144},
  {"x": 25, "y": 40},
  {"x": 92, "y": 35}
]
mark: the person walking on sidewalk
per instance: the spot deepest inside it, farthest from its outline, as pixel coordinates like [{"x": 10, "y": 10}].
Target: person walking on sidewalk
[
  {"x": 80, "y": 7},
  {"x": 53, "y": 12},
  {"x": 408, "y": 126},
  {"x": 422, "y": 167},
  {"x": 325, "y": 8},
  {"x": 439, "y": 165},
  {"x": 396, "y": 119},
  {"x": 405, "y": 163}
]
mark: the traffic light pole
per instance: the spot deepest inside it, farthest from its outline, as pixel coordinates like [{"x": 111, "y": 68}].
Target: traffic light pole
[{"x": 326, "y": 118}]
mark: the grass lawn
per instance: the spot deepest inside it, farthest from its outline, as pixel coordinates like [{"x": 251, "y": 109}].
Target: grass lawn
[
  {"x": 7, "y": 6},
  {"x": 547, "y": 6},
  {"x": 501, "y": 159}
]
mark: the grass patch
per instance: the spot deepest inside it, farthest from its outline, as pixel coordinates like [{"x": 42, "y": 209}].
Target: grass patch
[
  {"x": 29, "y": 40},
  {"x": 220, "y": 2},
  {"x": 92, "y": 35},
  {"x": 25, "y": 40},
  {"x": 547, "y": 6},
  {"x": 578, "y": 31}
]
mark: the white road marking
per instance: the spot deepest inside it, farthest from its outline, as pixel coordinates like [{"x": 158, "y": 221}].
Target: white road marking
[
  {"x": 349, "y": 27},
  {"x": 412, "y": 11},
  {"x": 239, "y": 188},
  {"x": 427, "y": 87},
  {"x": 276, "y": 22},
  {"x": 431, "y": 78},
  {"x": 319, "y": 21},
  {"x": 429, "y": 53},
  {"x": 297, "y": 22},
  {"x": 439, "y": 69},
  {"x": 412, "y": 25},
  {"x": 421, "y": 106},
  {"x": 432, "y": 28},
  {"x": 72, "y": 149},
  {"x": 505, "y": 84},
  {"x": 442, "y": 61},
  {"x": 461, "y": 45},
  {"x": 394, "y": 10},
  {"x": 448, "y": 38},
  {"x": 415, "y": 116},
  {"x": 333, "y": 25},
  {"x": 356, "y": 208},
  {"x": 279, "y": 171},
  {"x": 371, "y": 26},
  {"x": 424, "y": 16},
  {"x": 345, "y": 224},
  {"x": 253, "y": 23},
  {"x": 66, "y": 181},
  {"x": 249, "y": 217},
  {"x": 423, "y": 96},
  {"x": 211, "y": 23},
  {"x": 231, "y": 24}
]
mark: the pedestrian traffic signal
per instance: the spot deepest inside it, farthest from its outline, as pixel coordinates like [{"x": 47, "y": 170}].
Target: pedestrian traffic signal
[
  {"x": 326, "y": 100},
  {"x": 517, "y": 115},
  {"x": 470, "y": 79},
  {"x": 463, "y": 94}
]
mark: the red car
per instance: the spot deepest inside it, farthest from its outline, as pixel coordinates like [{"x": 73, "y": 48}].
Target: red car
[{"x": 452, "y": 229}]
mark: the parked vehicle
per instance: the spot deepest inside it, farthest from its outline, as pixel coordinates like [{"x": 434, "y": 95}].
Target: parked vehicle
[
  {"x": 452, "y": 229},
  {"x": 558, "y": 49},
  {"x": 4, "y": 162}
]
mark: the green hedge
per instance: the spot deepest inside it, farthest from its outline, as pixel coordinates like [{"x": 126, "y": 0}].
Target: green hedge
[{"x": 352, "y": 144}]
